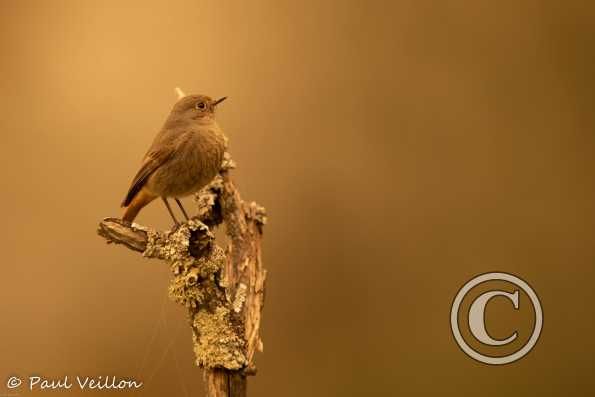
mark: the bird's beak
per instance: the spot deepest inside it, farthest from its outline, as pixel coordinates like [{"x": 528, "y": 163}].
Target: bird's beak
[{"x": 218, "y": 101}]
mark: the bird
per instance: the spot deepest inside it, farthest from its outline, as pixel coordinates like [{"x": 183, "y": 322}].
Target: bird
[{"x": 185, "y": 156}]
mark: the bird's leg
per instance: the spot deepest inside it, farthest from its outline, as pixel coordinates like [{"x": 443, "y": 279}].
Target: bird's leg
[
  {"x": 182, "y": 208},
  {"x": 170, "y": 211}
]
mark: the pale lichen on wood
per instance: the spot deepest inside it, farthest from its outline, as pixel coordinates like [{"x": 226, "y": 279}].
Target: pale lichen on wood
[
  {"x": 223, "y": 290},
  {"x": 218, "y": 339}
]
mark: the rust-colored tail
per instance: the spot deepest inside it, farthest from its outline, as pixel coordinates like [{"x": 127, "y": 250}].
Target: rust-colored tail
[{"x": 142, "y": 198}]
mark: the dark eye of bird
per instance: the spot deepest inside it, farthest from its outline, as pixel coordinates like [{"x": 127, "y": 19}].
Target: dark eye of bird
[{"x": 200, "y": 105}]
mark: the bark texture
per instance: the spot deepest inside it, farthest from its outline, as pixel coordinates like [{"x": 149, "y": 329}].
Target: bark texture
[{"x": 223, "y": 289}]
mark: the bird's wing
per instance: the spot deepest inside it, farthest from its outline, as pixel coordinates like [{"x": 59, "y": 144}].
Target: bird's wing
[{"x": 153, "y": 160}]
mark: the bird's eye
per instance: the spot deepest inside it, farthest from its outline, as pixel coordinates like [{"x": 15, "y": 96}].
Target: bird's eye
[{"x": 201, "y": 105}]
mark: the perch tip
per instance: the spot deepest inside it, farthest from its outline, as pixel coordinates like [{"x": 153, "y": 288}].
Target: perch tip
[{"x": 179, "y": 92}]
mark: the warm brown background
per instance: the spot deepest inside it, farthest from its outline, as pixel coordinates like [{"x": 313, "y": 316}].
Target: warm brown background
[{"x": 400, "y": 148}]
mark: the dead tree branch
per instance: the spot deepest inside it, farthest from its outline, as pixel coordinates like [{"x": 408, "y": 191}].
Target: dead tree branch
[{"x": 223, "y": 290}]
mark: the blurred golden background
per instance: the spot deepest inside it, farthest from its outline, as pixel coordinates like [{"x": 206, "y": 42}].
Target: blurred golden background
[{"x": 400, "y": 148}]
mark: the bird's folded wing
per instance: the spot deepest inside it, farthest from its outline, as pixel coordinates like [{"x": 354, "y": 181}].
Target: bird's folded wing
[{"x": 153, "y": 160}]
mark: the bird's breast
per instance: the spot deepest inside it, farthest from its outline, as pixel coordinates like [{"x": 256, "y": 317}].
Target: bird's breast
[{"x": 196, "y": 161}]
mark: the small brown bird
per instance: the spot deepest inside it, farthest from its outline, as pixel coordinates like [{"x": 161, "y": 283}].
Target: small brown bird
[{"x": 184, "y": 157}]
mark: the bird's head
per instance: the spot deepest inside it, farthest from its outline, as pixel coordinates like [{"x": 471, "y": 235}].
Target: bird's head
[{"x": 196, "y": 107}]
